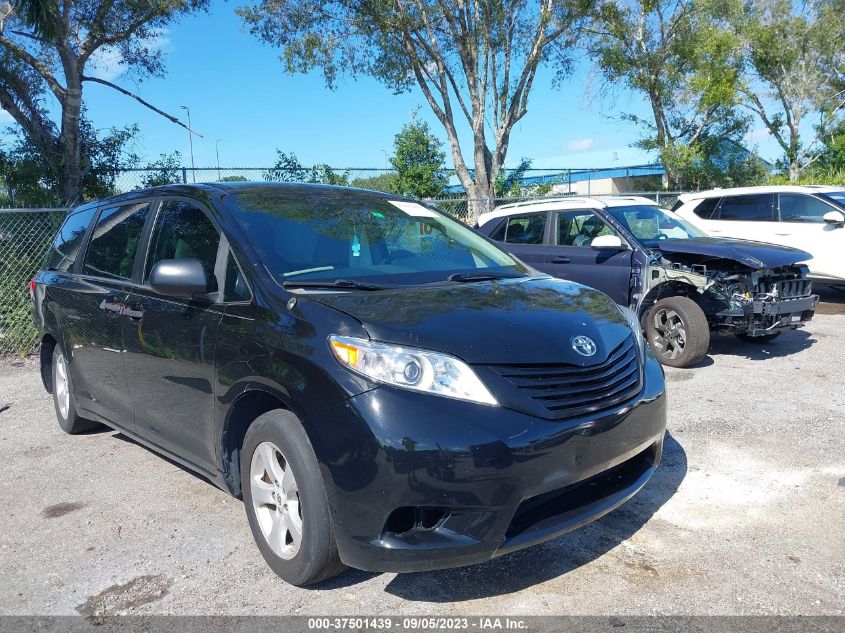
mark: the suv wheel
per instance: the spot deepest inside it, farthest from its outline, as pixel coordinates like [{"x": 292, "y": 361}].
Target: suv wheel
[
  {"x": 678, "y": 331},
  {"x": 757, "y": 339},
  {"x": 286, "y": 501},
  {"x": 64, "y": 400}
]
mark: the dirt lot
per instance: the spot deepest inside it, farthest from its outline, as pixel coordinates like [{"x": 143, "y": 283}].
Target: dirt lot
[{"x": 745, "y": 515}]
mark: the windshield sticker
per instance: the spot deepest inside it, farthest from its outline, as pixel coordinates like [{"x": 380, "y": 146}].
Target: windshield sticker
[
  {"x": 413, "y": 209},
  {"x": 356, "y": 246}
]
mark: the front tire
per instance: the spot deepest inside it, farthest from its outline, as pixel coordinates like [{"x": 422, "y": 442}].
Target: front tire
[
  {"x": 678, "y": 331},
  {"x": 286, "y": 502},
  {"x": 64, "y": 400}
]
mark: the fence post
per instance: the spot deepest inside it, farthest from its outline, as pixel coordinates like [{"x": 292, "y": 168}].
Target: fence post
[
  {"x": 184, "y": 175},
  {"x": 657, "y": 199}
]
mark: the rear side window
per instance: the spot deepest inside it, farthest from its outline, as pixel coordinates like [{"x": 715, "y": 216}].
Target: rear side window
[
  {"x": 183, "y": 231},
  {"x": 706, "y": 207},
  {"x": 580, "y": 228},
  {"x": 65, "y": 248},
  {"x": 115, "y": 241},
  {"x": 755, "y": 208},
  {"x": 797, "y": 207},
  {"x": 522, "y": 229}
]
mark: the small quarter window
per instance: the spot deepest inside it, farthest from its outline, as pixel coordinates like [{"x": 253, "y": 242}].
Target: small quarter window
[
  {"x": 115, "y": 241},
  {"x": 65, "y": 248},
  {"x": 236, "y": 287},
  {"x": 706, "y": 207}
]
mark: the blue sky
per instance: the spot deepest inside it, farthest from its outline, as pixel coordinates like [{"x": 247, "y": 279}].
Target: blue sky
[{"x": 238, "y": 92}]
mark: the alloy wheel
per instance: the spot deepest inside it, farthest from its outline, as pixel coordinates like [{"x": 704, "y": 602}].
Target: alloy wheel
[
  {"x": 275, "y": 500},
  {"x": 62, "y": 387},
  {"x": 670, "y": 336}
]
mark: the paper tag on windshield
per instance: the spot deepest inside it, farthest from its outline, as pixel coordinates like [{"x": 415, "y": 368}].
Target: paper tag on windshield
[{"x": 413, "y": 208}]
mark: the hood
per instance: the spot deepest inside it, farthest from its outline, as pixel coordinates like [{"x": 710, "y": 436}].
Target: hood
[
  {"x": 517, "y": 321},
  {"x": 752, "y": 254}
]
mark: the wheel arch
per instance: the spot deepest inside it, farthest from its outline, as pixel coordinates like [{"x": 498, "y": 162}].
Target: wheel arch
[
  {"x": 45, "y": 357},
  {"x": 243, "y": 411}
]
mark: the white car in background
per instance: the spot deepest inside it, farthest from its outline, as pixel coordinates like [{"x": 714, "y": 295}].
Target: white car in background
[{"x": 810, "y": 218}]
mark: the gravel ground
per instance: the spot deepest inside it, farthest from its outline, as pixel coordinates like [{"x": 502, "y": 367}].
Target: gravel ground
[{"x": 745, "y": 515}]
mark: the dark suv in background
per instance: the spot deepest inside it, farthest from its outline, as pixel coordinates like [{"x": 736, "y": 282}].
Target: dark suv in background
[{"x": 384, "y": 387}]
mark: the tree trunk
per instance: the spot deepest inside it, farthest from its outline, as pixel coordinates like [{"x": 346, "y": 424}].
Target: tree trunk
[{"x": 71, "y": 167}]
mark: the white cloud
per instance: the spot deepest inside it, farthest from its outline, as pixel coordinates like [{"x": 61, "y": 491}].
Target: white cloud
[
  {"x": 580, "y": 145},
  {"x": 757, "y": 135},
  {"x": 107, "y": 62}
]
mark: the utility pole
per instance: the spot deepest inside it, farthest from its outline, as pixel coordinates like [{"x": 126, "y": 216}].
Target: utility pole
[
  {"x": 191, "y": 143},
  {"x": 217, "y": 150}
]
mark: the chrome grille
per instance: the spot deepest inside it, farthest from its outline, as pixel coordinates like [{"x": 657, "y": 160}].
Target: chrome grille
[{"x": 568, "y": 391}]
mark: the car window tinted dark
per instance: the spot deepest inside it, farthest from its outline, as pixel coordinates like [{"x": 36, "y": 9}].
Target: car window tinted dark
[
  {"x": 115, "y": 241},
  {"x": 756, "y": 208},
  {"x": 307, "y": 233},
  {"x": 579, "y": 228},
  {"x": 65, "y": 247},
  {"x": 183, "y": 231},
  {"x": 706, "y": 207},
  {"x": 523, "y": 229},
  {"x": 236, "y": 288},
  {"x": 799, "y": 207}
]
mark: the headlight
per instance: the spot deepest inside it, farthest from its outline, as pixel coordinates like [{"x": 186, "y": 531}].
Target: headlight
[
  {"x": 636, "y": 326},
  {"x": 411, "y": 368}
]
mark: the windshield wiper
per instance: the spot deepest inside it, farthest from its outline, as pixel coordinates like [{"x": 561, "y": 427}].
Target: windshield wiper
[
  {"x": 334, "y": 283},
  {"x": 470, "y": 277}
]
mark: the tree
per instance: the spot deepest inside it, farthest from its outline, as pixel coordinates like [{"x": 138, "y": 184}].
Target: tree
[
  {"x": 289, "y": 169},
  {"x": 33, "y": 182},
  {"x": 476, "y": 61},
  {"x": 386, "y": 182},
  {"x": 418, "y": 159},
  {"x": 48, "y": 51},
  {"x": 167, "y": 170},
  {"x": 682, "y": 58},
  {"x": 795, "y": 56}
]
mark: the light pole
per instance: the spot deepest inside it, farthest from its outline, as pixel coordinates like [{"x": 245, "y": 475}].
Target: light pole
[
  {"x": 191, "y": 143},
  {"x": 217, "y": 150}
]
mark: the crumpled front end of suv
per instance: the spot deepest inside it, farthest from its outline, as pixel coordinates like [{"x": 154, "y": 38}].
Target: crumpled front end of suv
[{"x": 737, "y": 296}]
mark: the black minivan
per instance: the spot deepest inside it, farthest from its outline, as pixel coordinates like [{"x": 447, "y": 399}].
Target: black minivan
[{"x": 385, "y": 388}]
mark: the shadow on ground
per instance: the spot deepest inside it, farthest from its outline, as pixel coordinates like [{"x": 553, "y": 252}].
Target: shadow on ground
[
  {"x": 788, "y": 343},
  {"x": 517, "y": 571}
]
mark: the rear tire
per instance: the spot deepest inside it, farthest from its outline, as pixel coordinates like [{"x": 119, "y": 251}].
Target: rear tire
[
  {"x": 64, "y": 399},
  {"x": 757, "y": 339},
  {"x": 677, "y": 331},
  {"x": 286, "y": 502}
]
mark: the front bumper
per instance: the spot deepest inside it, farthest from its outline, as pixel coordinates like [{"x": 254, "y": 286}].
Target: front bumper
[
  {"x": 759, "y": 317},
  {"x": 418, "y": 482}
]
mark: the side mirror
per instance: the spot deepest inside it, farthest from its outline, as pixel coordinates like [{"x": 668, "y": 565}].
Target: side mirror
[
  {"x": 607, "y": 243},
  {"x": 179, "y": 278},
  {"x": 834, "y": 217}
]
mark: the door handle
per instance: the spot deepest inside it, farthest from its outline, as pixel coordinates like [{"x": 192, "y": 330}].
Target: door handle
[{"x": 560, "y": 259}]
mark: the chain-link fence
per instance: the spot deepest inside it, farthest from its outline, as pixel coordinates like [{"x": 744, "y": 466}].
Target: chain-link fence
[
  {"x": 25, "y": 235},
  {"x": 468, "y": 209}
]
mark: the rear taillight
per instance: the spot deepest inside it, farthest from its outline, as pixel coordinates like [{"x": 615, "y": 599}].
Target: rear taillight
[{"x": 32, "y": 289}]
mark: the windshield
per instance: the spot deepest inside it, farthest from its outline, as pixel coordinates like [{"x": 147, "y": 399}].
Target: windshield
[
  {"x": 836, "y": 196},
  {"x": 651, "y": 224},
  {"x": 307, "y": 234}
]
